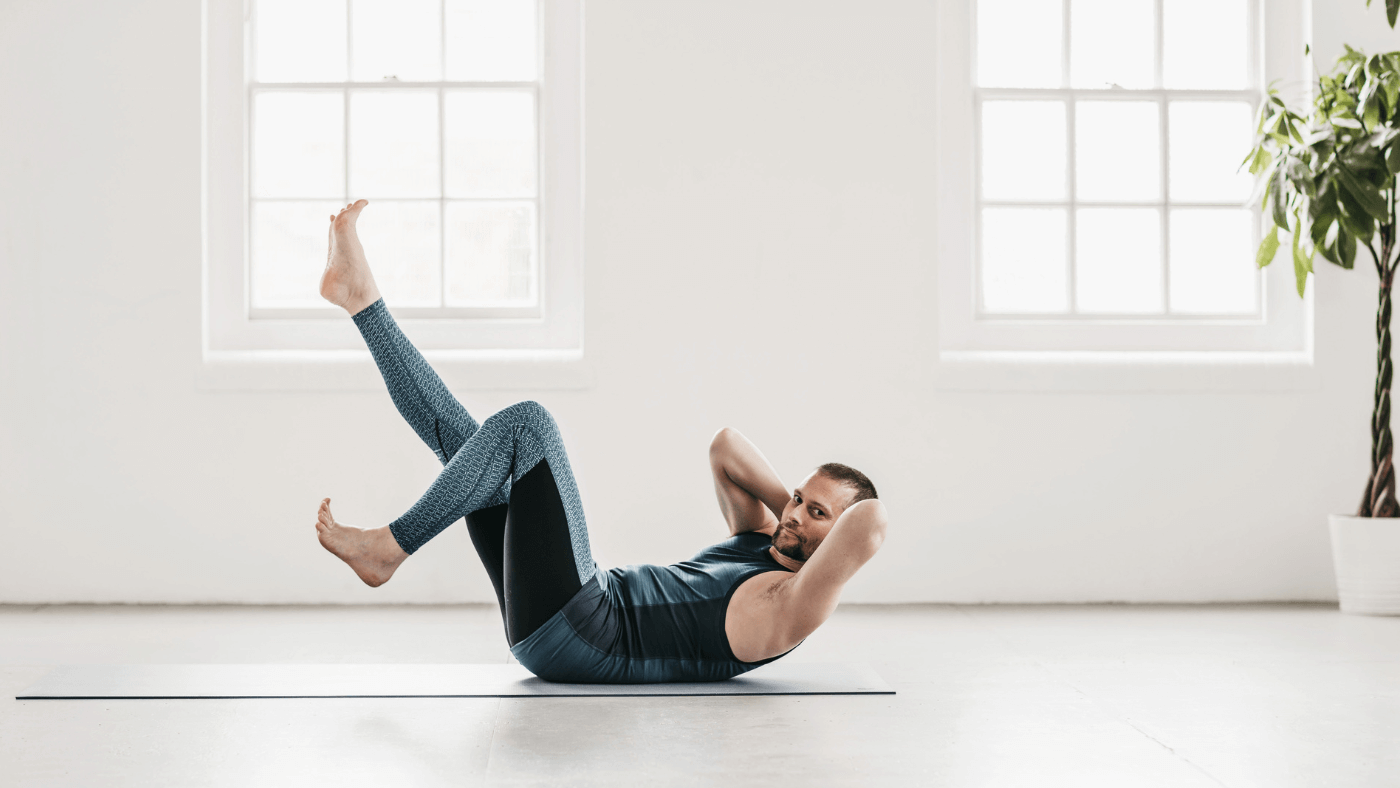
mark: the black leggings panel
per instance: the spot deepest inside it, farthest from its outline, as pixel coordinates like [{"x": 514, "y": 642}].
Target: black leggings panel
[{"x": 527, "y": 552}]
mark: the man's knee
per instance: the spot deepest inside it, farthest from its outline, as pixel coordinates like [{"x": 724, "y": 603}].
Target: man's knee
[{"x": 528, "y": 413}]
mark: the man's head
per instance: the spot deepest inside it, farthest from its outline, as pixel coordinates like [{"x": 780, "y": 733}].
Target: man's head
[{"x": 814, "y": 506}]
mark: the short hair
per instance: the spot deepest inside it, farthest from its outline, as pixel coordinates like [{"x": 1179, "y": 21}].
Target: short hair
[{"x": 860, "y": 485}]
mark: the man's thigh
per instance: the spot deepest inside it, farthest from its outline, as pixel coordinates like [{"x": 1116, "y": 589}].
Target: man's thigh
[{"x": 541, "y": 573}]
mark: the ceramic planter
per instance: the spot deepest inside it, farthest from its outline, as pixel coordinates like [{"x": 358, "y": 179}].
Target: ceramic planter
[{"x": 1366, "y": 553}]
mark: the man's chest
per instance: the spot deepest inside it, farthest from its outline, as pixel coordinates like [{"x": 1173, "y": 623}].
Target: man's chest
[{"x": 750, "y": 621}]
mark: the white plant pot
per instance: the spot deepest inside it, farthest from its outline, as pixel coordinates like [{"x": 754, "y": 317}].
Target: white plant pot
[{"x": 1366, "y": 553}]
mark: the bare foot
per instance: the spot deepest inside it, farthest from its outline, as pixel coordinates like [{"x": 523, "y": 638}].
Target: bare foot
[
  {"x": 373, "y": 553},
  {"x": 347, "y": 281}
]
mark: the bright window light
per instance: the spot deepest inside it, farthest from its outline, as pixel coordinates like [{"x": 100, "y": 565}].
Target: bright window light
[
  {"x": 1109, "y": 139},
  {"x": 427, "y": 108}
]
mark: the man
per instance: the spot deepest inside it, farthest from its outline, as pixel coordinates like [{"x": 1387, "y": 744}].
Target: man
[{"x": 734, "y": 606}]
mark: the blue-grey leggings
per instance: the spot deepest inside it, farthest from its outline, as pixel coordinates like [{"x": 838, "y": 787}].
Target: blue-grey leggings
[{"x": 508, "y": 476}]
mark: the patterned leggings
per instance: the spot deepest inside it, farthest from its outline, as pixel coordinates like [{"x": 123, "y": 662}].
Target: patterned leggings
[{"x": 508, "y": 476}]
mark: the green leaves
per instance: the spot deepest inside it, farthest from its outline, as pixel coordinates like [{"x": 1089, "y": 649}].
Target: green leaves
[
  {"x": 1329, "y": 178},
  {"x": 1302, "y": 263},
  {"x": 1258, "y": 159},
  {"x": 1267, "y": 248},
  {"x": 1302, "y": 259},
  {"x": 1391, "y": 8}
]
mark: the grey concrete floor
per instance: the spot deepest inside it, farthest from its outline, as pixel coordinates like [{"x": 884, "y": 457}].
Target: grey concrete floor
[{"x": 1268, "y": 695}]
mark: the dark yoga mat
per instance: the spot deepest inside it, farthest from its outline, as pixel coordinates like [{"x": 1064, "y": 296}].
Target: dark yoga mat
[{"x": 159, "y": 682}]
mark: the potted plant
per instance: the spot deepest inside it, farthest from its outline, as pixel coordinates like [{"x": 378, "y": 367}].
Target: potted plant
[{"x": 1328, "y": 182}]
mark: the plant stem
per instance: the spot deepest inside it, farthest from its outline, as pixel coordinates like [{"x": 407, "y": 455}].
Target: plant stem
[{"x": 1379, "y": 500}]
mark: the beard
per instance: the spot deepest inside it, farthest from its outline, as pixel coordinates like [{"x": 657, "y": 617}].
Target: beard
[{"x": 793, "y": 548}]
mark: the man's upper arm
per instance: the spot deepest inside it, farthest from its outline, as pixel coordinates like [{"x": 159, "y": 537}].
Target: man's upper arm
[
  {"x": 747, "y": 486},
  {"x": 813, "y": 593}
]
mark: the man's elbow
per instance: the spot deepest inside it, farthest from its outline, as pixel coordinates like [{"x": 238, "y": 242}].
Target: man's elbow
[
  {"x": 720, "y": 444},
  {"x": 871, "y": 519}
]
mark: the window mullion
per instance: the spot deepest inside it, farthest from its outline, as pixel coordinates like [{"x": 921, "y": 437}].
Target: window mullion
[
  {"x": 250, "y": 74},
  {"x": 349, "y": 41},
  {"x": 349, "y": 77},
  {"x": 1071, "y": 232},
  {"x": 541, "y": 271},
  {"x": 1064, "y": 42},
  {"x": 1071, "y": 213},
  {"x": 442, "y": 197},
  {"x": 1165, "y": 155},
  {"x": 1158, "y": 32},
  {"x": 442, "y": 156},
  {"x": 345, "y": 147},
  {"x": 978, "y": 204}
]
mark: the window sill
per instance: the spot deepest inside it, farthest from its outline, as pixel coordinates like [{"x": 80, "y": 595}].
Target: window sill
[
  {"x": 354, "y": 370},
  {"x": 1125, "y": 371}
]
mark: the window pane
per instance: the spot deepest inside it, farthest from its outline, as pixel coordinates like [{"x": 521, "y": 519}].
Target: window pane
[
  {"x": 299, "y": 40},
  {"x": 490, "y": 143},
  {"x": 1117, "y": 151},
  {"x": 1110, "y": 43},
  {"x": 299, "y": 144},
  {"x": 1212, "y": 261},
  {"x": 490, "y": 253},
  {"x": 1019, "y": 43},
  {"x": 1118, "y": 260},
  {"x": 403, "y": 240},
  {"x": 490, "y": 40},
  {"x": 1208, "y": 139},
  {"x": 289, "y": 246},
  {"x": 1023, "y": 150},
  {"x": 1023, "y": 260},
  {"x": 399, "y": 39},
  {"x": 394, "y": 143},
  {"x": 1205, "y": 44}
]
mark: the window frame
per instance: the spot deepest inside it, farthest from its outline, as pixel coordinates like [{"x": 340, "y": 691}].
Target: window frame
[
  {"x": 1281, "y": 331},
  {"x": 234, "y": 331}
]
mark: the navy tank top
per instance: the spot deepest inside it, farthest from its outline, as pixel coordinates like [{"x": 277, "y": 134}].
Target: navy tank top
[{"x": 646, "y": 623}]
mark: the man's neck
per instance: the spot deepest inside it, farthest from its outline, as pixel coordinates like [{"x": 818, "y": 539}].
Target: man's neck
[{"x": 786, "y": 561}]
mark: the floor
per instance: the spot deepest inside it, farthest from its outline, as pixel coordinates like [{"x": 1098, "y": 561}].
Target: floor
[{"x": 1264, "y": 695}]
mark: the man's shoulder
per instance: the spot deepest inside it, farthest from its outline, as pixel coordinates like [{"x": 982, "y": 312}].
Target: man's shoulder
[{"x": 747, "y": 542}]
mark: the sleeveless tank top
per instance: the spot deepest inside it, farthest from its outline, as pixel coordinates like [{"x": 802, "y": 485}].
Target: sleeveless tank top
[{"x": 646, "y": 623}]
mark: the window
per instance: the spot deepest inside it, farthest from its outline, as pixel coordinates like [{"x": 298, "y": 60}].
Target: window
[
  {"x": 1099, "y": 205},
  {"x": 460, "y": 122}
]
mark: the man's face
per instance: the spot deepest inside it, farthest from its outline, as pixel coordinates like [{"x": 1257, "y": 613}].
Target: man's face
[{"x": 809, "y": 515}]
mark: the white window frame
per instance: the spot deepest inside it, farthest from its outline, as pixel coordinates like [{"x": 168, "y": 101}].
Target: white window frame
[
  {"x": 1282, "y": 331},
  {"x": 234, "y": 333}
]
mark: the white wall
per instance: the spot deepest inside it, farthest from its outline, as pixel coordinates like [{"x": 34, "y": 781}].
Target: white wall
[{"x": 760, "y": 254}]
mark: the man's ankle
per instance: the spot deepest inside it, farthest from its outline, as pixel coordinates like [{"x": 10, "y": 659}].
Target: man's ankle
[{"x": 389, "y": 547}]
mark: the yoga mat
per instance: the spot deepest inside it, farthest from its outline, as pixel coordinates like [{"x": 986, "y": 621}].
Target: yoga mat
[{"x": 162, "y": 682}]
